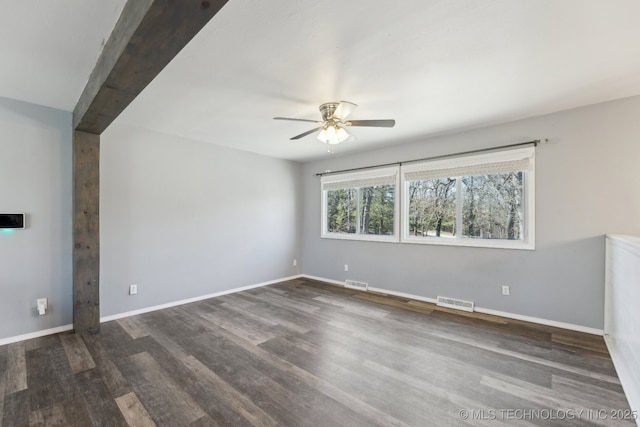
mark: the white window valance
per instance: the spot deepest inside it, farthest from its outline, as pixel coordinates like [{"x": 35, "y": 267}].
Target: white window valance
[
  {"x": 483, "y": 164},
  {"x": 367, "y": 178}
]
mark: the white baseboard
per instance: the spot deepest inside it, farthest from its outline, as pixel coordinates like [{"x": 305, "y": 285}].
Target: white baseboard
[
  {"x": 66, "y": 328},
  {"x": 561, "y": 325},
  {"x": 36, "y": 334},
  {"x": 321, "y": 279},
  {"x": 194, "y": 299},
  {"x": 403, "y": 295},
  {"x": 546, "y": 322},
  {"x": 629, "y": 386}
]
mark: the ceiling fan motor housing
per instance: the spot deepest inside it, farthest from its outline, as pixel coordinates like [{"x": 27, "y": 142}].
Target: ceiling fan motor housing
[
  {"x": 327, "y": 109},
  {"x": 332, "y": 127}
]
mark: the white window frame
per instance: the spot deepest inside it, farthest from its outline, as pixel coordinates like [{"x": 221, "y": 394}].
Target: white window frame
[
  {"x": 478, "y": 162},
  {"x": 345, "y": 180}
]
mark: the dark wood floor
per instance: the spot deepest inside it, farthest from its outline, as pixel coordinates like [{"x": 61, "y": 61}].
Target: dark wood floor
[{"x": 303, "y": 353}]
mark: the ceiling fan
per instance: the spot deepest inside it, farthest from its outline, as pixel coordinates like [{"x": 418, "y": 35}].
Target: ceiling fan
[{"x": 334, "y": 121}]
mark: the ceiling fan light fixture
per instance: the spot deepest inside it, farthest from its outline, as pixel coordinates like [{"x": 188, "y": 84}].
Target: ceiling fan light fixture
[
  {"x": 333, "y": 134},
  {"x": 331, "y": 128}
]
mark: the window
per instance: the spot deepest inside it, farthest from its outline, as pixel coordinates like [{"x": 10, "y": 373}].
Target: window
[
  {"x": 480, "y": 200},
  {"x": 432, "y": 207},
  {"x": 361, "y": 205}
]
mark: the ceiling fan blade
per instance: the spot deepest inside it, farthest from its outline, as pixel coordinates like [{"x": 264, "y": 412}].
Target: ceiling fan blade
[
  {"x": 297, "y": 120},
  {"x": 343, "y": 109},
  {"x": 302, "y": 135},
  {"x": 372, "y": 123}
]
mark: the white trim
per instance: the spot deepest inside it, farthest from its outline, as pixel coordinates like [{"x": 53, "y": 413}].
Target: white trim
[
  {"x": 194, "y": 299},
  {"x": 630, "y": 388},
  {"x": 629, "y": 243},
  {"x": 321, "y": 279},
  {"x": 404, "y": 295},
  {"x": 546, "y": 322},
  {"x": 37, "y": 334},
  {"x": 621, "y": 296},
  {"x": 361, "y": 237},
  {"x": 556, "y": 324},
  {"x": 471, "y": 242}
]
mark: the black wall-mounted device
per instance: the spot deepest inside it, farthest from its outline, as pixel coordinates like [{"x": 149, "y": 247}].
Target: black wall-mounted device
[{"x": 13, "y": 220}]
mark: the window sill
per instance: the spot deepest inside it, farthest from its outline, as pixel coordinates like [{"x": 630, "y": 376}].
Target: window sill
[
  {"x": 473, "y": 243},
  {"x": 361, "y": 237}
]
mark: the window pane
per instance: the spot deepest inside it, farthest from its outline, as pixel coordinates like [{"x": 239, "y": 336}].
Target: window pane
[
  {"x": 377, "y": 210},
  {"x": 432, "y": 207},
  {"x": 492, "y": 206},
  {"x": 341, "y": 210}
]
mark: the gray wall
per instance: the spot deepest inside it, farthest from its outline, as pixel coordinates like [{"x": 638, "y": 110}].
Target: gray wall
[
  {"x": 182, "y": 219},
  {"x": 248, "y": 216},
  {"x": 35, "y": 178},
  {"x": 586, "y": 186}
]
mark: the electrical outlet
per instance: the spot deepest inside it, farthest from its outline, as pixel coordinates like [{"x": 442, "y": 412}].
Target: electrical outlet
[
  {"x": 42, "y": 305},
  {"x": 133, "y": 289},
  {"x": 506, "y": 290},
  {"x": 346, "y": 267},
  {"x": 295, "y": 262}
]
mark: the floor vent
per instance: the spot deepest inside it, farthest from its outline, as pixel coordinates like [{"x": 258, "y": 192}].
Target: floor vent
[
  {"x": 455, "y": 303},
  {"x": 361, "y": 286}
]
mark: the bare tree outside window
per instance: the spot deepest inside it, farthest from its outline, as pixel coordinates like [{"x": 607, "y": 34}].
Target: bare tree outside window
[
  {"x": 432, "y": 207},
  {"x": 492, "y": 206},
  {"x": 484, "y": 199}
]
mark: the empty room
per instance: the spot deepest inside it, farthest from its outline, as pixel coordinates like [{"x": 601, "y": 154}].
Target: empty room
[{"x": 319, "y": 213}]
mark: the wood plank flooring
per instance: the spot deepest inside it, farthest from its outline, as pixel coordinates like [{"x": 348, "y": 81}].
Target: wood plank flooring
[{"x": 305, "y": 353}]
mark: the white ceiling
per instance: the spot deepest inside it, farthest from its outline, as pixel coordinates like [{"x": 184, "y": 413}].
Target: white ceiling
[
  {"x": 48, "y": 48},
  {"x": 435, "y": 66}
]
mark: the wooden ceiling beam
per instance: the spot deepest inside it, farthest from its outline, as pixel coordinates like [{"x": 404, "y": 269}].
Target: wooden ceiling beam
[{"x": 148, "y": 35}]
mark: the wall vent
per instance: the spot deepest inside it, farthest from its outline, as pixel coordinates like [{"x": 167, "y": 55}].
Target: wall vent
[
  {"x": 361, "y": 286},
  {"x": 458, "y": 304}
]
